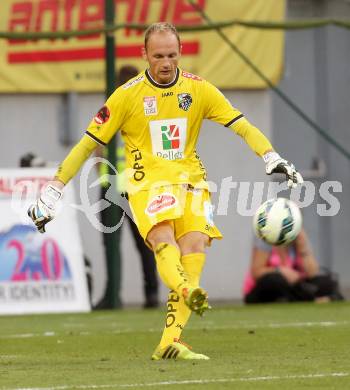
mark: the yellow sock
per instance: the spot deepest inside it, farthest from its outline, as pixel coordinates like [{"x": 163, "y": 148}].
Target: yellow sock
[
  {"x": 170, "y": 268},
  {"x": 193, "y": 265},
  {"x": 178, "y": 312}
]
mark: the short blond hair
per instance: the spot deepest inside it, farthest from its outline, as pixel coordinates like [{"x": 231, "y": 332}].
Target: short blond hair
[{"x": 161, "y": 27}]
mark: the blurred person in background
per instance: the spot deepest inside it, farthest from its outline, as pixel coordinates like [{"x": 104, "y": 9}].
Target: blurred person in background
[
  {"x": 31, "y": 160},
  {"x": 150, "y": 279},
  {"x": 160, "y": 113},
  {"x": 287, "y": 273}
]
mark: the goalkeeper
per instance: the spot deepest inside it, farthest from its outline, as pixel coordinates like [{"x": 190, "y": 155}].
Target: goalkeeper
[{"x": 159, "y": 113}]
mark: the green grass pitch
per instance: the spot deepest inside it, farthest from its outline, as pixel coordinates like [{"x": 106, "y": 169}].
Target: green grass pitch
[{"x": 296, "y": 346}]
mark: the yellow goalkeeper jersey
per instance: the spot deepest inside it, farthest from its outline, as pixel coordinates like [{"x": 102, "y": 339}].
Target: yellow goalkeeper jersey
[{"x": 160, "y": 124}]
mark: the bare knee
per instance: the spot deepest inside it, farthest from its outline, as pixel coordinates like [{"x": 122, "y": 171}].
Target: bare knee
[
  {"x": 193, "y": 242},
  {"x": 162, "y": 232}
]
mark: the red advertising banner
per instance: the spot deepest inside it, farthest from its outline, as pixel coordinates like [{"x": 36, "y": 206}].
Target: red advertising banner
[{"x": 77, "y": 63}]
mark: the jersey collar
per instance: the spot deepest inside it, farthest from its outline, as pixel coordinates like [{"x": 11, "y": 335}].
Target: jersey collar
[{"x": 153, "y": 82}]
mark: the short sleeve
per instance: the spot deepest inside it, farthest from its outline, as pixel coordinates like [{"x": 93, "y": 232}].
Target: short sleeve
[{"x": 109, "y": 119}]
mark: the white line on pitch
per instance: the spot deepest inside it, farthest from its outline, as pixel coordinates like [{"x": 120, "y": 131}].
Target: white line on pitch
[
  {"x": 188, "y": 382},
  {"x": 276, "y": 325},
  {"x": 9, "y": 356},
  {"x": 28, "y": 335},
  {"x": 196, "y": 327}
]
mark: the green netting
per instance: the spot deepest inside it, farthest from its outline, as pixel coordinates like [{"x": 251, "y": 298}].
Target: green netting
[{"x": 287, "y": 25}]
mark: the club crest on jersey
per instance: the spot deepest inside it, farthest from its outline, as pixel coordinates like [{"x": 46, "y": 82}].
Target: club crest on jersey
[
  {"x": 102, "y": 116},
  {"x": 150, "y": 105},
  {"x": 185, "y": 101}
]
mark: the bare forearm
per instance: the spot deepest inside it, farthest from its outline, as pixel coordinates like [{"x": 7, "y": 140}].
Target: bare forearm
[
  {"x": 304, "y": 251},
  {"x": 310, "y": 265},
  {"x": 289, "y": 274}
]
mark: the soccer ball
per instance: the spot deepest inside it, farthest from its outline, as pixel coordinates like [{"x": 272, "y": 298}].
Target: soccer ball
[{"x": 277, "y": 221}]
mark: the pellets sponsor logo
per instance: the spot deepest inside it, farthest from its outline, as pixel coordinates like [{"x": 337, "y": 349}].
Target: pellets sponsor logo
[{"x": 169, "y": 138}]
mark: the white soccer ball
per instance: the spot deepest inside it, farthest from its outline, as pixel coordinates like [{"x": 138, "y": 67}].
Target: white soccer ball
[{"x": 277, "y": 221}]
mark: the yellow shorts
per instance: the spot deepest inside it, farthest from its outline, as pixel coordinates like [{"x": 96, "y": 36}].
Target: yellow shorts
[{"x": 189, "y": 209}]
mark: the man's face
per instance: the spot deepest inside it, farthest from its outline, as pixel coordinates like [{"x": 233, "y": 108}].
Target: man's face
[{"x": 162, "y": 53}]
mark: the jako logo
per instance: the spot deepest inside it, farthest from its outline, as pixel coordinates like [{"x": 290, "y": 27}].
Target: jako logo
[
  {"x": 160, "y": 203},
  {"x": 170, "y": 137}
]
